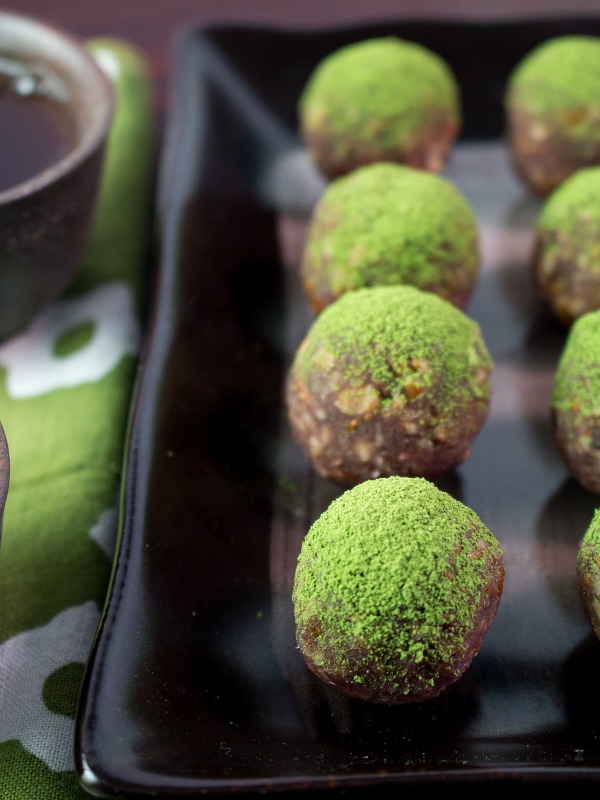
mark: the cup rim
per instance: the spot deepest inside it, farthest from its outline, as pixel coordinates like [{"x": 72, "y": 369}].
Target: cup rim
[{"x": 86, "y": 145}]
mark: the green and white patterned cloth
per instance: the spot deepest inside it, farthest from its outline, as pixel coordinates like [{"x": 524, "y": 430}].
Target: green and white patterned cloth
[{"x": 65, "y": 389}]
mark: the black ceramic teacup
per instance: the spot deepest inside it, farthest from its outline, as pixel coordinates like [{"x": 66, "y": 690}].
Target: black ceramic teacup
[{"x": 57, "y": 108}]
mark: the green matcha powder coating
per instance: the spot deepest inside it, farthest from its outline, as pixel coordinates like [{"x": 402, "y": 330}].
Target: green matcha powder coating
[
  {"x": 588, "y": 571},
  {"x": 382, "y": 89},
  {"x": 588, "y": 555},
  {"x": 574, "y": 207},
  {"x": 377, "y": 335},
  {"x": 562, "y": 74},
  {"x": 576, "y": 383},
  {"x": 387, "y": 223},
  {"x": 387, "y": 567}
]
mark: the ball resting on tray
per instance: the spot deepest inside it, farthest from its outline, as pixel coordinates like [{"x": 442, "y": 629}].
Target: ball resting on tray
[
  {"x": 390, "y": 380},
  {"x": 387, "y": 224},
  {"x": 553, "y": 111},
  {"x": 575, "y": 401},
  {"x": 381, "y": 99},
  {"x": 566, "y": 259},
  {"x": 396, "y": 585},
  {"x": 588, "y": 571}
]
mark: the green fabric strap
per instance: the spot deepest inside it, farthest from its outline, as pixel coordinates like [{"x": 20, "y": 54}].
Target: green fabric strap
[{"x": 65, "y": 389}]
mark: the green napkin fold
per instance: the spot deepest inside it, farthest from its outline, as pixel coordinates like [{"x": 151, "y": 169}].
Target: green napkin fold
[{"x": 65, "y": 388}]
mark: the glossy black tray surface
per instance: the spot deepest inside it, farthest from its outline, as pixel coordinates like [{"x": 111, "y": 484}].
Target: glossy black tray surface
[{"x": 194, "y": 684}]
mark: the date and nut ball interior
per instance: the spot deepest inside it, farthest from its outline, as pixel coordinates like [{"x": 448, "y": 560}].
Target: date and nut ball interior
[{"x": 388, "y": 380}]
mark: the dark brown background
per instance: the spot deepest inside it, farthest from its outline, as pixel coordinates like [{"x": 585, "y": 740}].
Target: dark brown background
[{"x": 152, "y": 24}]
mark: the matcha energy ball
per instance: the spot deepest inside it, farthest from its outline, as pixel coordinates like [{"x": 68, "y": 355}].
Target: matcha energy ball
[
  {"x": 552, "y": 108},
  {"x": 387, "y": 223},
  {"x": 389, "y": 380},
  {"x": 566, "y": 261},
  {"x": 380, "y": 99},
  {"x": 588, "y": 572},
  {"x": 396, "y": 586},
  {"x": 575, "y": 401}
]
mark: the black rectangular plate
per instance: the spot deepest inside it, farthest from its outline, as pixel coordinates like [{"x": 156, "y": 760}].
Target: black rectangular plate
[{"x": 194, "y": 683}]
